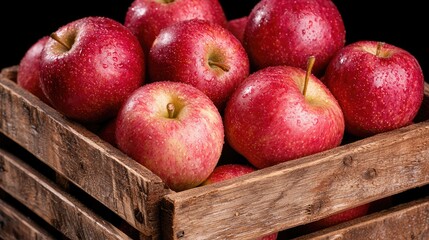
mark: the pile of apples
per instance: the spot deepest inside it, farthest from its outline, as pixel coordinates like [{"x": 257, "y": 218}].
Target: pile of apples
[{"x": 177, "y": 82}]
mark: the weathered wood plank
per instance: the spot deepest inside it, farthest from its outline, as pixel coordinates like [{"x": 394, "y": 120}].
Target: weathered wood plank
[
  {"x": 14, "y": 225},
  {"x": 303, "y": 190},
  {"x": 266, "y": 201},
  {"x": 10, "y": 72},
  {"x": 405, "y": 221},
  {"x": 41, "y": 196},
  {"x": 104, "y": 172}
]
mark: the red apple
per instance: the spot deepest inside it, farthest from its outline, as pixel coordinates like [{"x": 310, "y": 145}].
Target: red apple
[
  {"x": 89, "y": 67},
  {"x": 174, "y": 130},
  {"x": 270, "y": 118},
  {"x": 202, "y": 54},
  {"x": 378, "y": 86},
  {"x": 29, "y": 69},
  {"x": 230, "y": 171},
  {"x": 272, "y": 236},
  {"x": 287, "y": 32},
  {"x": 146, "y": 18},
  {"x": 237, "y": 26}
]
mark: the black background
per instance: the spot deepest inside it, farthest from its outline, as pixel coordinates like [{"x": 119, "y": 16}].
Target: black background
[{"x": 401, "y": 23}]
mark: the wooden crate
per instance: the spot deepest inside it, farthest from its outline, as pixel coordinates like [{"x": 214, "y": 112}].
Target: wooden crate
[
  {"x": 81, "y": 161},
  {"x": 60, "y": 180}
]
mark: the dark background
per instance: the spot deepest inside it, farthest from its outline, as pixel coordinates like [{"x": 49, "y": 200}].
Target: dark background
[{"x": 400, "y": 23}]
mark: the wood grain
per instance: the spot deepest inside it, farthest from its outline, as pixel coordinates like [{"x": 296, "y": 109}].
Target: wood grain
[
  {"x": 104, "y": 172},
  {"x": 57, "y": 208},
  {"x": 302, "y": 190},
  {"x": 406, "y": 221},
  {"x": 247, "y": 207},
  {"x": 14, "y": 225}
]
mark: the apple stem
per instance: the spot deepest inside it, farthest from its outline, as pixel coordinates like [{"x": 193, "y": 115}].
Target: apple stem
[
  {"x": 170, "y": 110},
  {"x": 220, "y": 65},
  {"x": 310, "y": 64},
  {"x": 379, "y": 45},
  {"x": 56, "y": 38}
]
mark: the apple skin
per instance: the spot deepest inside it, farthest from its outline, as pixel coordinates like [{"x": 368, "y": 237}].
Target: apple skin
[
  {"x": 182, "y": 150},
  {"x": 230, "y": 171},
  {"x": 287, "y": 32},
  {"x": 146, "y": 18},
  {"x": 272, "y": 236},
  {"x": 182, "y": 52},
  {"x": 89, "y": 82},
  {"x": 377, "y": 93},
  {"x": 268, "y": 120},
  {"x": 237, "y": 26},
  {"x": 28, "y": 76}
]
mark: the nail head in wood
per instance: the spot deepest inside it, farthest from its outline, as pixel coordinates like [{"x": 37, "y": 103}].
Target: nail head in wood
[
  {"x": 180, "y": 234},
  {"x": 348, "y": 161},
  {"x": 370, "y": 174},
  {"x": 138, "y": 215}
]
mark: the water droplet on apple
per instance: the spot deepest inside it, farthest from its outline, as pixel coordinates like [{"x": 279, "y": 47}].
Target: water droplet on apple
[
  {"x": 105, "y": 65},
  {"x": 247, "y": 91}
]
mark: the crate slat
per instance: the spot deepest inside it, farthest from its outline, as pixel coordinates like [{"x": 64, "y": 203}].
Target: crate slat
[
  {"x": 104, "y": 172},
  {"x": 406, "y": 221},
  {"x": 301, "y": 191},
  {"x": 259, "y": 203},
  {"x": 14, "y": 225},
  {"x": 54, "y": 206}
]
